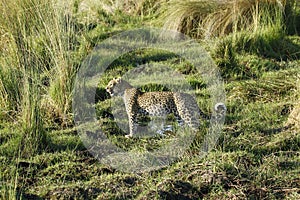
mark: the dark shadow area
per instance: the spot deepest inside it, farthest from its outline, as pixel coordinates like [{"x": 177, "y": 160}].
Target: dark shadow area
[
  {"x": 266, "y": 53},
  {"x": 140, "y": 57},
  {"x": 262, "y": 193},
  {"x": 288, "y": 165},
  {"x": 274, "y": 130},
  {"x": 101, "y": 94},
  {"x": 284, "y": 49},
  {"x": 289, "y": 144},
  {"x": 292, "y": 17},
  {"x": 181, "y": 190},
  {"x": 104, "y": 113},
  {"x": 26, "y": 196},
  {"x": 289, "y": 49},
  {"x": 66, "y": 140},
  {"x": 58, "y": 147},
  {"x": 87, "y": 193}
]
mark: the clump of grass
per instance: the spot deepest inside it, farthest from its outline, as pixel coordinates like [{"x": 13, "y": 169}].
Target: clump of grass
[{"x": 205, "y": 18}]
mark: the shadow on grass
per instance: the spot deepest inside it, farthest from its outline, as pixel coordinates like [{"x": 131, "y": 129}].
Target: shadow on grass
[
  {"x": 64, "y": 140},
  {"x": 288, "y": 165},
  {"x": 183, "y": 191},
  {"x": 23, "y": 196},
  {"x": 74, "y": 193},
  {"x": 101, "y": 94},
  {"x": 286, "y": 145},
  {"x": 274, "y": 130},
  {"x": 142, "y": 56},
  {"x": 245, "y": 56}
]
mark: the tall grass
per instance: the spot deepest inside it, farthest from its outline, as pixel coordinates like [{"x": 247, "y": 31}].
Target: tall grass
[
  {"x": 9, "y": 92},
  {"x": 37, "y": 66},
  {"x": 203, "y": 18},
  {"x": 24, "y": 62},
  {"x": 10, "y": 74}
]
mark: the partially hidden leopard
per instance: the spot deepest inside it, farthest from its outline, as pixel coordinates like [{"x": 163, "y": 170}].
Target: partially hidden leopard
[{"x": 182, "y": 105}]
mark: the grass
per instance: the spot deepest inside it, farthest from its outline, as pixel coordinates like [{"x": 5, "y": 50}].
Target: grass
[
  {"x": 217, "y": 18},
  {"x": 255, "y": 46}
]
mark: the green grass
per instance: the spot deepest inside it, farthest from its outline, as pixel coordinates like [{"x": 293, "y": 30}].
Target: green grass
[{"x": 42, "y": 45}]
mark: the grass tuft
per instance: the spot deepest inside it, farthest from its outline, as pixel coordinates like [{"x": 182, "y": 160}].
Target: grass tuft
[{"x": 206, "y": 19}]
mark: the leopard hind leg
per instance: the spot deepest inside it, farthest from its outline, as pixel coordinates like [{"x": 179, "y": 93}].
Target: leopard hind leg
[{"x": 188, "y": 110}]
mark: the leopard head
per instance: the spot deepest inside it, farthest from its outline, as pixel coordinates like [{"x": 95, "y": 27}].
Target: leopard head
[
  {"x": 112, "y": 86},
  {"x": 117, "y": 86}
]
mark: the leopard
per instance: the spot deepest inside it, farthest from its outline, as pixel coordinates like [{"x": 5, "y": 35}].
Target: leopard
[{"x": 158, "y": 103}]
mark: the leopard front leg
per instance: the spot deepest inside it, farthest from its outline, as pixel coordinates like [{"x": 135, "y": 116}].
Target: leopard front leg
[
  {"x": 130, "y": 100},
  {"x": 132, "y": 121}
]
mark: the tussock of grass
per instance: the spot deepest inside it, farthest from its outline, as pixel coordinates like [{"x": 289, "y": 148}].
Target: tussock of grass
[{"x": 216, "y": 18}]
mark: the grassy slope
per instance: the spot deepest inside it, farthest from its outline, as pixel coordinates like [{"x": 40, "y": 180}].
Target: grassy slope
[{"x": 256, "y": 157}]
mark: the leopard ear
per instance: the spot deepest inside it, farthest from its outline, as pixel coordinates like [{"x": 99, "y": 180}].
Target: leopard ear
[{"x": 118, "y": 79}]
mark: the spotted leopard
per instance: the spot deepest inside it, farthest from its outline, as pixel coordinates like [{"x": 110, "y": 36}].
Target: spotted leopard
[{"x": 183, "y": 106}]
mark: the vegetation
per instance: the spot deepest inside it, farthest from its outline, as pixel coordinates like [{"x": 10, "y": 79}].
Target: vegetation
[{"x": 255, "y": 44}]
